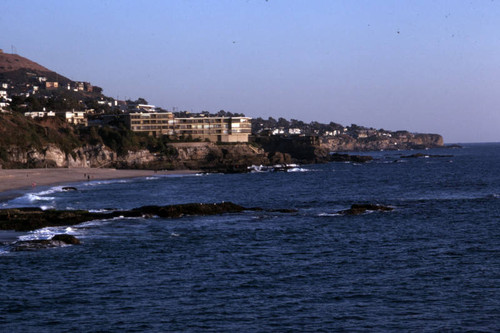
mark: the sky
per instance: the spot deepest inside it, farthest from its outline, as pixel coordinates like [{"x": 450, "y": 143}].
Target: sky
[{"x": 418, "y": 65}]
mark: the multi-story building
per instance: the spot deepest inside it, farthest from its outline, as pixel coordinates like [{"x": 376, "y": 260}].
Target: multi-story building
[
  {"x": 215, "y": 129},
  {"x": 155, "y": 123}
]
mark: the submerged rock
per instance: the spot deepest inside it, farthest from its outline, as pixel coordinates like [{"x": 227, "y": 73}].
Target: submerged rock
[
  {"x": 349, "y": 158},
  {"x": 419, "y": 155},
  {"x": 185, "y": 209},
  {"x": 357, "y": 209},
  {"x": 65, "y": 238}
]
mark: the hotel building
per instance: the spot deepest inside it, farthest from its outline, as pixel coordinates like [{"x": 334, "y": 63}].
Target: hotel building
[{"x": 215, "y": 129}]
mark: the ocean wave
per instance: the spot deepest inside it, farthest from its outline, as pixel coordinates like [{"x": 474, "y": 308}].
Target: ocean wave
[
  {"x": 46, "y": 233},
  {"x": 29, "y": 199},
  {"x": 34, "y": 197},
  {"x": 106, "y": 182}
]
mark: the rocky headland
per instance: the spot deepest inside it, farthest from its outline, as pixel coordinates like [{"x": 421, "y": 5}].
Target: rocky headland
[
  {"x": 207, "y": 156},
  {"x": 105, "y": 140}
]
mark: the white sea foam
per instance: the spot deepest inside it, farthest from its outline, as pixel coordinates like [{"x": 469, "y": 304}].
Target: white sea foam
[
  {"x": 106, "y": 182},
  {"x": 329, "y": 214},
  {"x": 34, "y": 197},
  {"x": 98, "y": 210},
  {"x": 45, "y": 233},
  {"x": 299, "y": 170}
]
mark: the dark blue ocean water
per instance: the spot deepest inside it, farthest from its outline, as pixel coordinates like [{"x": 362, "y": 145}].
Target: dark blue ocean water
[{"x": 432, "y": 264}]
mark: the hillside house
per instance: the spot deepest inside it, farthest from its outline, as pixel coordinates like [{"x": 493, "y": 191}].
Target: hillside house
[
  {"x": 51, "y": 85},
  {"x": 75, "y": 117},
  {"x": 40, "y": 114},
  {"x": 294, "y": 131}
]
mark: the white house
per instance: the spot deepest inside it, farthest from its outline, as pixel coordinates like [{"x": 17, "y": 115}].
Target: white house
[
  {"x": 39, "y": 114},
  {"x": 76, "y": 117}
]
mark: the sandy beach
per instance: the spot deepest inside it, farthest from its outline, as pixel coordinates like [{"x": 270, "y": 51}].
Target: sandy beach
[{"x": 19, "y": 179}]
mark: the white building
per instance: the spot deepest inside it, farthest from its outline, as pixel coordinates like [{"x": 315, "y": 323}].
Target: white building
[
  {"x": 76, "y": 117},
  {"x": 40, "y": 114}
]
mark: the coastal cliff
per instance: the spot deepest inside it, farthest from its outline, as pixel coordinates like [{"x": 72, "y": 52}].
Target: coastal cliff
[
  {"x": 400, "y": 140},
  {"x": 206, "y": 155},
  {"x": 52, "y": 143},
  {"x": 195, "y": 155}
]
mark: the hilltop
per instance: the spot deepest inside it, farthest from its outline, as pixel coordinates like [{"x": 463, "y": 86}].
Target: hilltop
[{"x": 17, "y": 69}]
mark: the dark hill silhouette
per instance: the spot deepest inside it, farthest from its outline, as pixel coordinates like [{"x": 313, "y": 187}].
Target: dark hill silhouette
[{"x": 20, "y": 69}]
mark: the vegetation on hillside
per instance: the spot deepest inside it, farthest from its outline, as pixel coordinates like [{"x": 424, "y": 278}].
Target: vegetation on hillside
[
  {"x": 22, "y": 132},
  {"x": 259, "y": 124}
]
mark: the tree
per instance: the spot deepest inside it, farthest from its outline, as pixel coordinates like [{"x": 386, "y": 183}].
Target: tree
[{"x": 282, "y": 122}]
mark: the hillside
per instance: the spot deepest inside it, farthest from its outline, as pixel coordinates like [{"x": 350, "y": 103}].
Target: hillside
[
  {"x": 51, "y": 142},
  {"x": 16, "y": 68}
]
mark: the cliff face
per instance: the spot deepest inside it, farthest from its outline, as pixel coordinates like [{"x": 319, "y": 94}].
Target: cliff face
[
  {"x": 197, "y": 155},
  {"x": 402, "y": 141},
  {"x": 210, "y": 156},
  {"x": 207, "y": 155},
  {"x": 53, "y": 157}
]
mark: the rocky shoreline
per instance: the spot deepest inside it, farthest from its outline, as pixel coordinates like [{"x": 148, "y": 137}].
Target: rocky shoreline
[
  {"x": 214, "y": 157},
  {"x": 32, "y": 218},
  {"x": 25, "y": 219}
]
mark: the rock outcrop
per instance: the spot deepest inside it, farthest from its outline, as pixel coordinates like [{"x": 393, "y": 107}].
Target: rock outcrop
[
  {"x": 297, "y": 149},
  {"x": 29, "y": 218},
  {"x": 39, "y": 244},
  {"x": 357, "y": 209},
  {"x": 32, "y": 218},
  {"x": 400, "y": 140},
  {"x": 350, "y": 158},
  {"x": 214, "y": 157}
]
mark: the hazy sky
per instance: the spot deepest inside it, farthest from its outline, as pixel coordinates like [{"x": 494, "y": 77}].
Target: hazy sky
[{"x": 425, "y": 66}]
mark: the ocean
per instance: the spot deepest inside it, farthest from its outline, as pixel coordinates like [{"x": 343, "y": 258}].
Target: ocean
[{"x": 431, "y": 264}]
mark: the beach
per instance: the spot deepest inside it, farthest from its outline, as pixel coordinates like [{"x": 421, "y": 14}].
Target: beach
[{"x": 19, "y": 179}]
